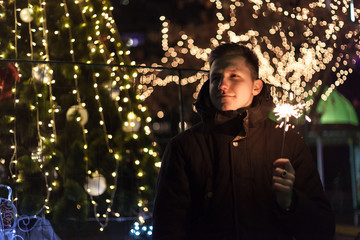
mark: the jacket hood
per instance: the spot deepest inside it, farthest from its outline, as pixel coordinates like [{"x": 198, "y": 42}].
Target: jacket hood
[{"x": 260, "y": 108}]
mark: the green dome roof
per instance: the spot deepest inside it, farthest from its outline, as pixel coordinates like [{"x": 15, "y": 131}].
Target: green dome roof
[{"x": 337, "y": 110}]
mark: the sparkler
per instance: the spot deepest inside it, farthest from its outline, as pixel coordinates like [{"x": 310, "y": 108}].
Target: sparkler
[{"x": 285, "y": 111}]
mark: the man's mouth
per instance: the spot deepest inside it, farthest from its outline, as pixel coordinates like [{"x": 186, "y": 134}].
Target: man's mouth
[{"x": 224, "y": 95}]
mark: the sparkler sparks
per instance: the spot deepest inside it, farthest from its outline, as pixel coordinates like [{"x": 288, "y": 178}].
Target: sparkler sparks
[{"x": 286, "y": 110}]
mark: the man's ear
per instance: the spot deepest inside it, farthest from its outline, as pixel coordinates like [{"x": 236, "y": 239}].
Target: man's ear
[{"x": 258, "y": 85}]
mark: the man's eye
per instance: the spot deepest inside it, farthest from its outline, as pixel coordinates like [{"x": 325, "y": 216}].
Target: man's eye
[{"x": 234, "y": 75}]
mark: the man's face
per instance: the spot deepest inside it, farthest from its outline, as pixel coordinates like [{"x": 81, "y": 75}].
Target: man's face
[{"x": 231, "y": 85}]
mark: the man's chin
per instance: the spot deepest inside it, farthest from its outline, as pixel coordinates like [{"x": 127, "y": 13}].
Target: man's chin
[{"x": 225, "y": 108}]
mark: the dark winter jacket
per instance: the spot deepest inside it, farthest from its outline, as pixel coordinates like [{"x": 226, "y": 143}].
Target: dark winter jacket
[{"x": 216, "y": 180}]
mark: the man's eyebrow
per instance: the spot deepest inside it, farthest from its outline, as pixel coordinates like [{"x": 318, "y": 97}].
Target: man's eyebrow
[{"x": 234, "y": 68}]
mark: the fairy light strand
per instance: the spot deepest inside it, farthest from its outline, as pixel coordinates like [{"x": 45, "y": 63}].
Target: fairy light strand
[
  {"x": 71, "y": 43},
  {"x": 102, "y": 122},
  {"x": 51, "y": 110},
  {"x": 31, "y": 36},
  {"x": 47, "y": 57},
  {"x": 76, "y": 90},
  {"x": 13, "y": 159},
  {"x": 15, "y": 31}
]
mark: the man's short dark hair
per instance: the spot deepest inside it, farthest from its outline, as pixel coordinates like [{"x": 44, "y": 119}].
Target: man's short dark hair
[{"x": 239, "y": 50}]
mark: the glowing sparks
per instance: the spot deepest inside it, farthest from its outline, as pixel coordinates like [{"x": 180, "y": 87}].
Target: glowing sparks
[{"x": 285, "y": 111}]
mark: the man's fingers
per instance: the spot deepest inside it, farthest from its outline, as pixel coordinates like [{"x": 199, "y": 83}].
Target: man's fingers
[
  {"x": 280, "y": 172},
  {"x": 282, "y": 185},
  {"x": 284, "y": 163},
  {"x": 283, "y": 181}
]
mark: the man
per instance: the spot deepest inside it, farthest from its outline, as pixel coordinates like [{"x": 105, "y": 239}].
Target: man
[{"x": 226, "y": 179}]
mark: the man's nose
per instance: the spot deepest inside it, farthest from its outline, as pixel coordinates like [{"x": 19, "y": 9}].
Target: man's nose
[{"x": 223, "y": 84}]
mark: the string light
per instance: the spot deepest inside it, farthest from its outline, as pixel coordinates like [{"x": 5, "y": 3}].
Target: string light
[{"x": 39, "y": 156}]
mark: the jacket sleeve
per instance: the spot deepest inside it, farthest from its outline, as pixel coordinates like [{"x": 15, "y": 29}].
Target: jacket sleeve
[
  {"x": 310, "y": 216},
  {"x": 172, "y": 201}
]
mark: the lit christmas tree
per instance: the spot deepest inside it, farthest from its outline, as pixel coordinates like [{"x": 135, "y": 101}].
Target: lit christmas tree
[{"x": 75, "y": 133}]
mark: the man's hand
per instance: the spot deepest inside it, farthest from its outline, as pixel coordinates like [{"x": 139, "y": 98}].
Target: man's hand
[{"x": 283, "y": 181}]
